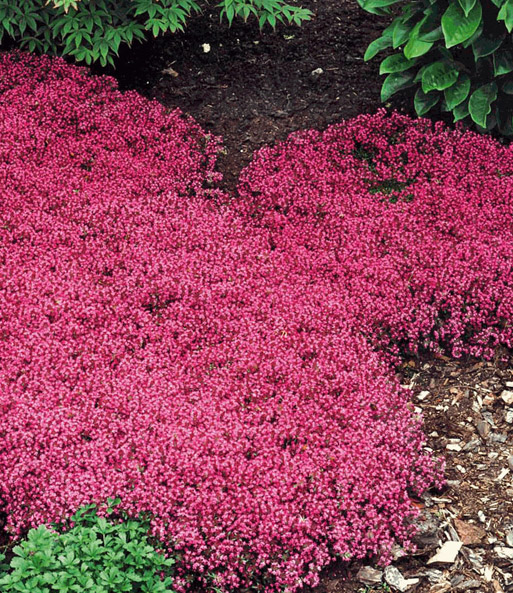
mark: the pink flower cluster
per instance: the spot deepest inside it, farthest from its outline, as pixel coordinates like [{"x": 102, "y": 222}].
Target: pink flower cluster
[
  {"x": 215, "y": 362},
  {"x": 413, "y": 222}
]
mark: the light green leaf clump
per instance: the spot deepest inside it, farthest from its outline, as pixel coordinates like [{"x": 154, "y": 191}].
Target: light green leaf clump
[{"x": 94, "y": 555}]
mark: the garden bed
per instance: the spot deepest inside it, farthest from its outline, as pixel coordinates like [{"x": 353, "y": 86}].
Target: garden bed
[{"x": 219, "y": 89}]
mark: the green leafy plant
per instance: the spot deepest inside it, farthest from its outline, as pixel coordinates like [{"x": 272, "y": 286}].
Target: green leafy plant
[
  {"x": 93, "y": 30},
  {"x": 457, "y": 53},
  {"x": 90, "y": 554}
]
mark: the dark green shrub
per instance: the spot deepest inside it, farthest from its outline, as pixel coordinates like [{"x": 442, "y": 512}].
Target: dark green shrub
[
  {"x": 458, "y": 53},
  {"x": 93, "y": 555},
  {"x": 93, "y": 30}
]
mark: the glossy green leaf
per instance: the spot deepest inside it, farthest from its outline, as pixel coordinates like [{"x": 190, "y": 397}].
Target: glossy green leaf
[
  {"x": 424, "y": 102},
  {"x": 480, "y": 103},
  {"x": 507, "y": 87},
  {"x": 415, "y": 48},
  {"x": 376, "y": 46},
  {"x": 370, "y": 4},
  {"x": 395, "y": 63},
  {"x": 401, "y": 33},
  {"x": 458, "y": 92},
  {"x": 484, "y": 46},
  {"x": 457, "y": 27},
  {"x": 376, "y": 6},
  {"x": 467, "y": 5},
  {"x": 460, "y": 111},
  {"x": 432, "y": 36},
  {"x": 502, "y": 63},
  {"x": 395, "y": 82},
  {"x": 438, "y": 76},
  {"x": 506, "y": 15}
]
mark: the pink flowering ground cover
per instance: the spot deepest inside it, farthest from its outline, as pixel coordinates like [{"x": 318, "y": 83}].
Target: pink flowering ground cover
[
  {"x": 221, "y": 363},
  {"x": 413, "y": 221}
]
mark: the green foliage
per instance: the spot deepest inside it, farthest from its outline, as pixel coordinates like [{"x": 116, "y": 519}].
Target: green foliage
[
  {"x": 458, "y": 53},
  {"x": 93, "y": 555},
  {"x": 93, "y": 30},
  {"x": 3, "y": 565}
]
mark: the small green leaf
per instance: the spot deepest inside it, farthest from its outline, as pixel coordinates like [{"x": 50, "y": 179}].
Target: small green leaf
[
  {"x": 379, "y": 3},
  {"x": 68, "y": 25},
  {"x": 460, "y": 111},
  {"x": 467, "y": 5},
  {"x": 507, "y": 87},
  {"x": 480, "y": 103},
  {"x": 395, "y": 82},
  {"x": 88, "y": 23},
  {"x": 416, "y": 48},
  {"x": 230, "y": 13},
  {"x": 379, "y": 7},
  {"x": 484, "y": 46},
  {"x": 424, "y": 102},
  {"x": 19, "y": 563},
  {"x": 22, "y": 25},
  {"x": 401, "y": 33},
  {"x": 6, "y": 24},
  {"x": 376, "y": 46},
  {"x": 432, "y": 36},
  {"x": 457, "y": 27},
  {"x": 506, "y": 15},
  {"x": 395, "y": 63},
  {"x": 458, "y": 92},
  {"x": 438, "y": 76},
  {"x": 502, "y": 62}
]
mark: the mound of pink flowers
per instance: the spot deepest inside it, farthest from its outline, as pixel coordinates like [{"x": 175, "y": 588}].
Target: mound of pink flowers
[
  {"x": 413, "y": 221},
  {"x": 224, "y": 365}
]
